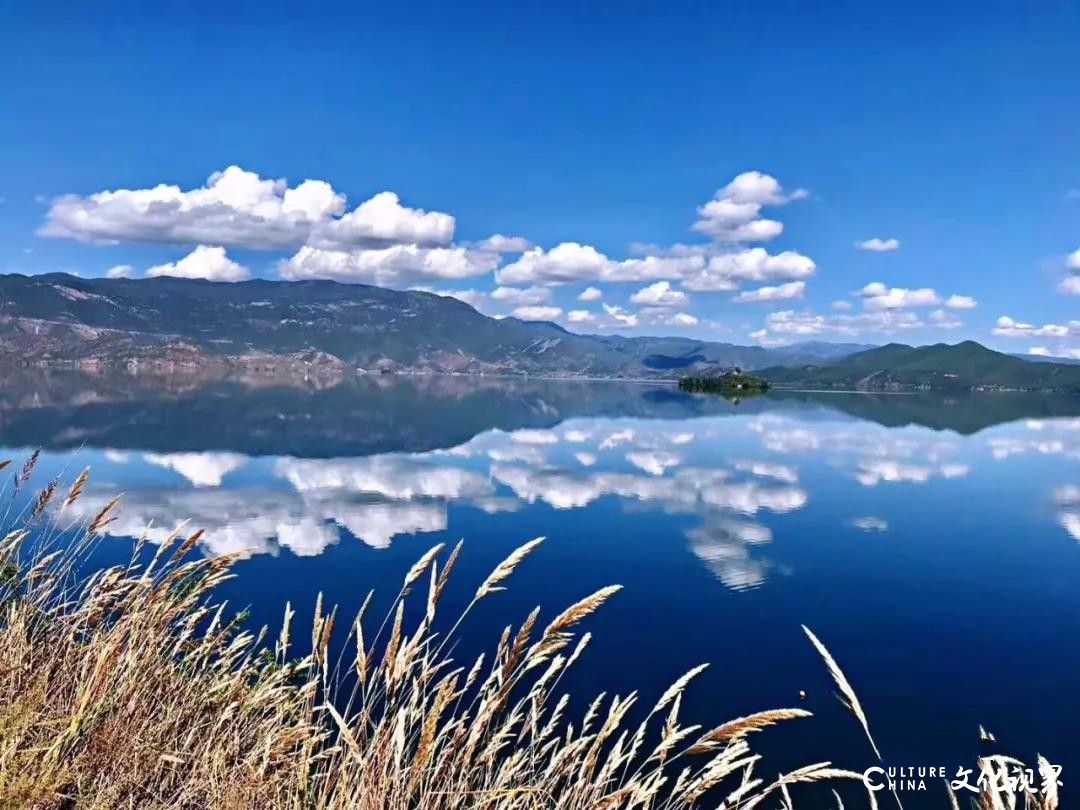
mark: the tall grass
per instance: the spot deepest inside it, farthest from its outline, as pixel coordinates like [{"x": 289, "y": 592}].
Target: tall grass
[{"x": 131, "y": 687}]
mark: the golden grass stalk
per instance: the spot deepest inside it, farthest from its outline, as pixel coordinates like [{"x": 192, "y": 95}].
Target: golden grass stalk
[
  {"x": 847, "y": 692},
  {"x": 131, "y": 687}
]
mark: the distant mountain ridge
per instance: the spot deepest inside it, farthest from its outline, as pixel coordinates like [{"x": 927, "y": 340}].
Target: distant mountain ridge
[
  {"x": 172, "y": 322},
  {"x": 963, "y": 366}
]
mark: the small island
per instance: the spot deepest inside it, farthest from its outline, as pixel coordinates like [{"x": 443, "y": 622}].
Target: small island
[{"x": 730, "y": 383}]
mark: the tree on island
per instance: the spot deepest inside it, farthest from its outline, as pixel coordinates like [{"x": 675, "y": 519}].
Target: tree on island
[{"x": 730, "y": 383}]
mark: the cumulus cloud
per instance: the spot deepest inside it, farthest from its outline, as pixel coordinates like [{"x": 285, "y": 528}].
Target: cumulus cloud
[
  {"x": 620, "y": 316},
  {"x": 590, "y": 294},
  {"x": 201, "y": 469},
  {"x": 204, "y": 262},
  {"x": 878, "y": 245},
  {"x": 654, "y": 462},
  {"x": 386, "y": 242},
  {"x": 683, "y": 319},
  {"x": 1007, "y": 327},
  {"x": 782, "y": 292},
  {"x": 961, "y": 302},
  {"x": 876, "y": 295},
  {"x": 517, "y": 296},
  {"x": 539, "y": 313},
  {"x": 120, "y": 271},
  {"x": 782, "y": 326},
  {"x": 1070, "y": 285},
  {"x": 570, "y": 262},
  {"x": 1061, "y": 351},
  {"x": 768, "y": 469},
  {"x": 503, "y": 244},
  {"x": 660, "y": 294},
  {"x": 383, "y": 220},
  {"x": 390, "y": 267},
  {"x": 238, "y": 208},
  {"x": 734, "y": 213},
  {"x": 580, "y": 316},
  {"x": 727, "y": 271}
]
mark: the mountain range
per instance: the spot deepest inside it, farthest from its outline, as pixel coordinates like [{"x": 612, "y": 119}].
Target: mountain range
[
  {"x": 174, "y": 322},
  {"x": 375, "y": 413},
  {"x": 325, "y": 330},
  {"x": 897, "y": 367}
]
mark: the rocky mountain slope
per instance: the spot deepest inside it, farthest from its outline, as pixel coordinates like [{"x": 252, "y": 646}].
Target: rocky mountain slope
[{"x": 173, "y": 322}]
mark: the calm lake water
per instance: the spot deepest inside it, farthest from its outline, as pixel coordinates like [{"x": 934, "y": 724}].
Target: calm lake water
[{"x": 933, "y": 544}]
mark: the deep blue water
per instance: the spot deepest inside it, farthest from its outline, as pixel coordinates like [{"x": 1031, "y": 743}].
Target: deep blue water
[{"x": 934, "y": 545}]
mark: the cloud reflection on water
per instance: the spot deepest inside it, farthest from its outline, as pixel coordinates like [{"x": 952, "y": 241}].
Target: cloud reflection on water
[{"x": 723, "y": 473}]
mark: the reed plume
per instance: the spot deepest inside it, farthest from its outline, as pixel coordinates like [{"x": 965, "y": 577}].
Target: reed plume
[{"x": 133, "y": 687}]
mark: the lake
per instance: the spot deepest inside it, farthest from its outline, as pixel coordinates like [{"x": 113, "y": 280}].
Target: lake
[{"x": 933, "y": 544}]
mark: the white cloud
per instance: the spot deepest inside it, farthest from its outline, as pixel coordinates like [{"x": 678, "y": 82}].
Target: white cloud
[
  {"x": 391, "y": 476},
  {"x": 201, "y": 469},
  {"x": 940, "y": 319},
  {"x": 876, "y": 295},
  {"x": 663, "y": 316},
  {"x": 569, "y": 262},
  {"x": 590, "y": 294},
  {"x": 1061, "y": 351},
  {"x": 381, "y": 221},
  {"x": 120, "y": 271},
  {"x": 783, "y": 292},
  {"x": 620, "y": 316},
  {"x": 727, "y": 271},
  {"x": 841, "y": 305},
  {"x": 530, "y": 436},
  {"x": 564, "y": 263},
  {"x": 385, "y": 242},
  {"x": 878, "y": 245},
  {"x": 503, "y": 244},
  {"x": 660, "y": 294},
  {"x": 870, "y": 524},
  {"x": 1072, "y": 261},
  {"x": 580, "y": 316},
  {"x": 654, "y": 462},
  {"x": 733, "y": 215},
  {"x": 238, "y": 208},
  {"x": 1007, "y": 327},
  {"x": 961, "y": 302},
  {"x": 785, "y": 324},
  {"x": 204, "y": 262},
  {"x": 1070, "y": 285},
  {"x": 390, "y": 267},
  {"x": 234, "y": 208},
  {"x": 539, "y": 313},
  {"x": 517, "y": 296},
  {"x": 767, "y": 469}
]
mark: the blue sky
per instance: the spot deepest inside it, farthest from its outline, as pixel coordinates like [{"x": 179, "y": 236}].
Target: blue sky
[{"x": 952, "y": 128}]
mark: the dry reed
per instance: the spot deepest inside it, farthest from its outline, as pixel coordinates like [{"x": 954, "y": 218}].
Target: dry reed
[{"x": 130, "y": 687}]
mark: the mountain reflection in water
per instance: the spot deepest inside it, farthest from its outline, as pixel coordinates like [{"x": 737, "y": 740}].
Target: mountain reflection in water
[
  {"x": 266, "y": 469},
  {"x": 925, "y": 539}
]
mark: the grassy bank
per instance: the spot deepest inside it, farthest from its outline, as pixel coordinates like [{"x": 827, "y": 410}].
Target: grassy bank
[{"x": 131, "y": 687}]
